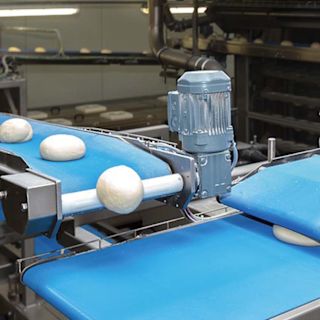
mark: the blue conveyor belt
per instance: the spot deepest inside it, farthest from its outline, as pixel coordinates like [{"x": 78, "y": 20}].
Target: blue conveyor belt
[
  {"x": 231, "y": 269},
  {"x": 102, "y": 153},
  {"x": 286, "y": 194}
]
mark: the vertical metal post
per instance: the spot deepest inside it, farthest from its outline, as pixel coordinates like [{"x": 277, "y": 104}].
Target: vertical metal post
[
  {"x": 242, "y": 97},
  {"x": 28, "y": 296},
  {"x": 195, "y": 29},
  {"x": 272, "y": 149}
]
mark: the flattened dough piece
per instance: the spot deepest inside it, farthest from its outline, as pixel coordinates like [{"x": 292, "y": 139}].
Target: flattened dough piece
[
  {"x": 62, "y": 121},
  {"x": 286, "y": 43},
  {"x": 105, "y": 51},
  {"x": 15, "y": 130},
  {"x": 91, "y": 108},
  {"x": 37, "y": 115},
  {"x": 292, "y": 237},
  {"x": 315, "y": 45},
  {"x": 14, "y": 49},
  {"x": 120, "y": 189},
  {"x": 85, "y": 51},
  {"x": 40, "y": 50},
  {"x": 117, "y": 115},
  {"x": 62, "y": 147},
  {"x": 258, "y": 41}
]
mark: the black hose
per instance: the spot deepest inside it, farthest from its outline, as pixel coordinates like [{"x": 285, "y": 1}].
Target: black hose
[{"x": 169, "y": 56}]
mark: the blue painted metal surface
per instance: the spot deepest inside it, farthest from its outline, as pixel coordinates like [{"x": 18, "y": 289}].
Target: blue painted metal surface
[
  {"x": 287, "y": 194},
  {"x": 230, "y": 269}
]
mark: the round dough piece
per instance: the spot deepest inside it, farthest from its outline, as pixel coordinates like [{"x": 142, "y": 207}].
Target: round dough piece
[
  {"x": 315, "y": 45},
  {"x": 120, "y": 189},
  {"x": 105, "y": 51},
  {"x": 293, "y": 237},
  {"x": 85, "y": 50},
  {"x": 286, "y": 43},
  {"x": 258, "y": 41},
  {"x": 40, "y": 50},
  {"x": 62, "y": 147},
  {"x": 15, "y": 130},
  {"x": 14, "y": 49},
  {"x": 37, "y": 115}
]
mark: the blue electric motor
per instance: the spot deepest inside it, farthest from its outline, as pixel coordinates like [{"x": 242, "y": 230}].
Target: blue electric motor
[{"x": 200, "y": 112}]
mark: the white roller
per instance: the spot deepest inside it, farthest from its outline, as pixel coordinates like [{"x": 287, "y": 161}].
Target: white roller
[
  {"x": 80, "y": 201},
  {"x": 126, "y": 200},
  {"x": 164, "y": 186}
]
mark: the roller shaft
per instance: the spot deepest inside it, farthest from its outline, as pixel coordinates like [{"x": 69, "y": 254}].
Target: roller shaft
[{"x": 154, "y": 188}]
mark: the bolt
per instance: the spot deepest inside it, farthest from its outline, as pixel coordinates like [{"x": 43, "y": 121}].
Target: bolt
[
  {"x": 204, "y": 194},
  {"x": 203, "y": 161},
  {"x": 24, "y": 207},
  {"x": 3, "y": 194}
]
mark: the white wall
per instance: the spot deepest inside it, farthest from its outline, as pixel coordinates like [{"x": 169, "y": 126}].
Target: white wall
[{"x": 117, "y": 27}]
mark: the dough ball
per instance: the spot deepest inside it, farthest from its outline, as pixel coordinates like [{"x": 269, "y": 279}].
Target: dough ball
[
  {"x": 85, "y": 51},
  {"x": 286, "y": 43},
  {"x": 315, "y": 45},
  {"x": 293, "y": 237},
  {"x": 37, "y": 115},
  {"x": 120, "y": 189},
  {"x": 258, "y": 41},
  {"x": 40, "y": 50},
  {"x": 29, "y": 136},
  {"x": 15, "y": 130},
  {"x": 105, "y": 51},
  {"x": 14, "y": 49},
  {"x": 62, "y": 147}
]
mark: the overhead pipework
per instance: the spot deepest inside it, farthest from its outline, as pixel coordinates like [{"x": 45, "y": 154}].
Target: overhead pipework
[{"x": 168, "y": 56}]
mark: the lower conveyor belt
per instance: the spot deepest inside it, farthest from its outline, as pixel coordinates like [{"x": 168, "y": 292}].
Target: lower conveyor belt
[{"x": 228, "y": 269}]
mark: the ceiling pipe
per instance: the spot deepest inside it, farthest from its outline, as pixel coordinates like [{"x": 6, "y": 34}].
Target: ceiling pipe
[
  {"x": 183, "y": 24},
  {"x": 169, "y": 56}
]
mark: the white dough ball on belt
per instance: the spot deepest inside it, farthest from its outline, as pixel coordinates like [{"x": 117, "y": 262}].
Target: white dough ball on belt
[
  {"x": 15, "y": 130},
  {"x": 292, "y": 237},
  {"x": 120, "y": 189},
  {"x": 62, "y": 147}
]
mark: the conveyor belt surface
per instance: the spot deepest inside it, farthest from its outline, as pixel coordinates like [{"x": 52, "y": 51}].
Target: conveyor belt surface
[
  {"x": 286, "y": 194},
  {"x": 228, "y": 269},
  {"x": 102, "y": 153}
]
